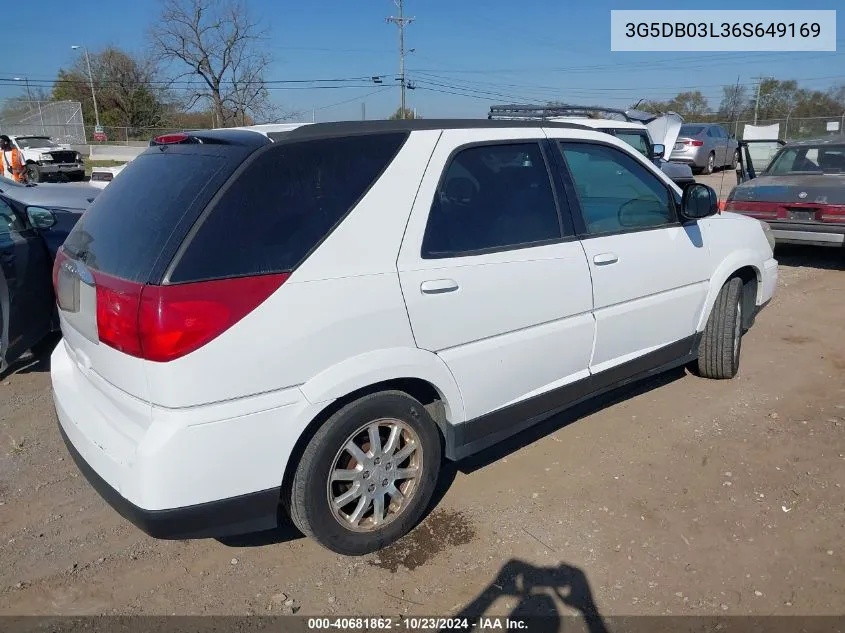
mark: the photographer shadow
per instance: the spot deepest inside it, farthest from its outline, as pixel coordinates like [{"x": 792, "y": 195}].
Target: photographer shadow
[{"x": 538, "y": 591}]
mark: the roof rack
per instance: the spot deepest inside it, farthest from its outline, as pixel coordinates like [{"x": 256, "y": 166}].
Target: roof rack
[{"x": 534, "y": 113}]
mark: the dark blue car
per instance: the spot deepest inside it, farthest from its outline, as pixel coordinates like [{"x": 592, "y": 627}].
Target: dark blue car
[{"x": 34, "y": 222}]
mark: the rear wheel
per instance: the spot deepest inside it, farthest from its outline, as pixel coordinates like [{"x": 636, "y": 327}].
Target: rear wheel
[
  {"x": 720, "y": 347},
  {"x": 711, "y": 163},
  {"x": 735, "y": 159},
  {"x": 367, "y": 475}
]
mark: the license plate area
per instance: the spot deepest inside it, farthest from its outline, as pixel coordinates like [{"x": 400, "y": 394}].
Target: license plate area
[
  {"x": 67, "y": 291},
  {"x": 801, "y": 215}
]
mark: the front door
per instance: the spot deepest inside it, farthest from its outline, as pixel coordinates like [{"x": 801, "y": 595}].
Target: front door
[
  {"x": 650, "y": 273},
  {"x": 494, "y": 280}
]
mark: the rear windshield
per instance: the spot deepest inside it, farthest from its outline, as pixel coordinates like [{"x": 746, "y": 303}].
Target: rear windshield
[
  {"x": 819, "y": 159},
  {"x": 691, "y": 130},
  {"x": 125, "y": 229},
  {"x": 284, "y": 203}
]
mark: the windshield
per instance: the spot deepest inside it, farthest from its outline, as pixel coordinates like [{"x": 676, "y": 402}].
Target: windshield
[
  {"x": 818, "y": 159},
  {"x": 638, "y": 140},
  {"x": 691, "y": 130},
  {"x": 25, "y": 142}
]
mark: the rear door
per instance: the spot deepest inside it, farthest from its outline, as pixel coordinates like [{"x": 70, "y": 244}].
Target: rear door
[
  {"x": 650, "y": 274},
  {"x": 26, "y": 297},
  {"x": 493, "y": 279}
]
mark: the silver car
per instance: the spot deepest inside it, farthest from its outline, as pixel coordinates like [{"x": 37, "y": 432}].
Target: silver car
[{"x": 705, "y": 147}]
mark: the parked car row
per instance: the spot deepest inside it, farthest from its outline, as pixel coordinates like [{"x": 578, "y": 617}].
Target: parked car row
[{"x": 313, "y": 317}]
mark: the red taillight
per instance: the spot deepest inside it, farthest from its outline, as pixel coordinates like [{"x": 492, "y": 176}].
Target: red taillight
[
  {"x": 694, "y": 143},
  {"x": 118, "y": 303},
  {"x": 163, "y": 323},
  {"x": 166, "y": 139},
  {"x": 753, "y": 208}
]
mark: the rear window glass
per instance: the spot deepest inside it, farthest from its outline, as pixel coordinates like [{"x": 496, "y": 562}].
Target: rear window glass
[
  {"x": 283, "y": 205},
  {"x": 125, "y": 229},
  {"x": 691, "y": 130}
]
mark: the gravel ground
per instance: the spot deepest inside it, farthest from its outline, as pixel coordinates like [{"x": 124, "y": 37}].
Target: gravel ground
[{"x": 679, "y": 496}]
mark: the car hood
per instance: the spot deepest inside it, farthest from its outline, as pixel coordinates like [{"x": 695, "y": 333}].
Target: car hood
[
  {"x": 818, "y": 189},
  {"x": 62, "y": 196},
  {"x": 675, "y": 170},
  {"x": 664, "y": 128}
]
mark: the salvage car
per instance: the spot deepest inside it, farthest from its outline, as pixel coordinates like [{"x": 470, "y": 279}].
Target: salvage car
[
  {"x": 637, "y": 128},
  {"x": 34, "y": 222},
  {"x": 800, "y": 194},
  {"x": 230, "y": 348},
  {"x": 705, "y": 147},
  {"x": 46, "y": 159}
]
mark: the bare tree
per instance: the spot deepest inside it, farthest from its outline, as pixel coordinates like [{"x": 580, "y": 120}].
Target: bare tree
[{"x": 220, "y": 44}]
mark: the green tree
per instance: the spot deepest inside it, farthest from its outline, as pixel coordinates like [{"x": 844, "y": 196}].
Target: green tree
[
  {"x": 409, "y": 114},
  {"x": 128, "y": 93}
]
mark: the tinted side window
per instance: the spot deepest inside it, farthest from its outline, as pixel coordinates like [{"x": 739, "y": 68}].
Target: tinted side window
[
  {"x": 492, "y": 196},
  {"x": 283, "y": 205},
  {"x": 712, "y": 132},
  {"x": 615, "y": 191}
]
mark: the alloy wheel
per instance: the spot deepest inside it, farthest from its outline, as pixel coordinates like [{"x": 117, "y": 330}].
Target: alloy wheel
[{"x": 375, "y": 475}]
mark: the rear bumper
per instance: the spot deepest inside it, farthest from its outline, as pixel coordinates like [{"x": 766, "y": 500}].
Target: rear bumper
[
  {"x": 811, "y": 234},
  {"x": 213, "y": 470},
  {"x": 693, "y": 160},
  {"x": 248, "y": 513}
]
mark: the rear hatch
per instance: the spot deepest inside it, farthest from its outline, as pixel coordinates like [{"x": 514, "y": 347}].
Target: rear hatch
[
  {"x": 125, "y": 240},
  {"x": 797, "y": 198}
]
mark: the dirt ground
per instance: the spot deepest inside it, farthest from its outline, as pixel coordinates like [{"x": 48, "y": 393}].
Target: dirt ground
[{"x": 680, "y": 496}]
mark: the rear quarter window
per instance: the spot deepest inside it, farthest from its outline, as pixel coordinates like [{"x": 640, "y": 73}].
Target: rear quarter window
[{"x": 282, "y": 205}]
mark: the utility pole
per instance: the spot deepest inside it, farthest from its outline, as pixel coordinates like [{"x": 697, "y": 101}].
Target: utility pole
[
  {"x": 757, "y": 100},
  {"x": 401, "y": 22},
  {"x": 91, "y": 80}
]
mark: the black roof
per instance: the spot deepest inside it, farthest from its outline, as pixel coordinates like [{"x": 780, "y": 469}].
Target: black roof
[
  {"x": 349, "y": 128},
  {"x": 835, "y": 139}
]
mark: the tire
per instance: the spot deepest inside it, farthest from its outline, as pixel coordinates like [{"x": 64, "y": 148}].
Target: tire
[
  {"x": 720, "y": 347},
  {"x": 33, "y": 173},
  {"x": 710, "y": 165},
  {"x": 735, "y": 160},
  {"x": 310, "y": 504}
]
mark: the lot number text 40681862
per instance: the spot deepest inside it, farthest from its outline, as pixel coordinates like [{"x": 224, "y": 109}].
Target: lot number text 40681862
[{"x": 417, "y": 624}]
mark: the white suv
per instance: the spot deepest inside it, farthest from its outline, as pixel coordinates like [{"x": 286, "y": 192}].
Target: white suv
[{"x": 312, "y": 319}]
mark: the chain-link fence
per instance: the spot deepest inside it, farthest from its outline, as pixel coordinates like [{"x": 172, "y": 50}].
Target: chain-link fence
[
  {"x": 791, "y": 128},
  {"x": 61, "y": 120}
]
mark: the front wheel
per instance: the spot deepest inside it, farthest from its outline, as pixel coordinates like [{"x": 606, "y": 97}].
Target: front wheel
[
  {"x": 367, "y": 475},
  {"x": 721, "y": 344},
  {"x": 33, "y": 173}
]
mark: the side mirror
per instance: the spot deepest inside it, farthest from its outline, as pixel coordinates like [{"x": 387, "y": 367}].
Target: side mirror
[
  {"x": 699, "y": 201},
  {"x": 40, "y": 218},
  {"x": 657, "y": 151}
]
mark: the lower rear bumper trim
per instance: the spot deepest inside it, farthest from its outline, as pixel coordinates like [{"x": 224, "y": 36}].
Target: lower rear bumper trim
[{"x": 254, "y": 512}]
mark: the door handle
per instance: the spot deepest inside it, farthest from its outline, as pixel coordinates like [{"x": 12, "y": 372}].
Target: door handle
[
  {"x": 605, "y": 258},
  {"x": 438, "y": 286}
]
